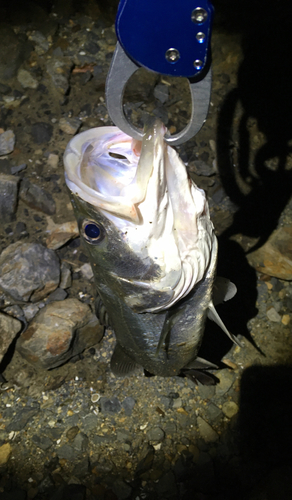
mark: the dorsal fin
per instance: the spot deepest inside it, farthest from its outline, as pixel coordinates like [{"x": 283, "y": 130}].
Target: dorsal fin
[{"x": 214, "y": 316}]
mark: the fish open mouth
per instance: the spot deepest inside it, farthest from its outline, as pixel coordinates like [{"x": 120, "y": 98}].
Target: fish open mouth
[{"x": 144, "y": 190}]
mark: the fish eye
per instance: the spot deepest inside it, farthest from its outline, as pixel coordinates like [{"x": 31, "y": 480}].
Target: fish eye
[{"x": 91, "y": 231}]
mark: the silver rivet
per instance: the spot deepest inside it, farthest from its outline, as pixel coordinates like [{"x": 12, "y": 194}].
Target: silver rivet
[
  {"x": 199, "y": 15},
  {"x": 198, "y": 64},
  {"x": 172, "y": 55},
  {"x": 200, "y": 37}
]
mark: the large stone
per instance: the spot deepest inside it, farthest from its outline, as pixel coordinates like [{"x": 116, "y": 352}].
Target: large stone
[
  {"x": 8, "y": 196},
  {"x": 59, "y": 234},
  {"x": 37, "y": 198},
  {"x": 9, "y": 328},
  {"x": 58, "y": 332},
  {"x": 275, "y": 256},
  {"x": 7, "y": 142},
  {"x": 29, "y": 271}
]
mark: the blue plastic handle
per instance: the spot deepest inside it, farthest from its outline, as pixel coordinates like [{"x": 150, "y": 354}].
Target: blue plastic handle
[{"x": 166, "y": 36}]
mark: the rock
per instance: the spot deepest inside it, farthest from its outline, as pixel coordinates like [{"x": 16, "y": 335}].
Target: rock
[
  {"x": 42, "y": 442},
  {"x": 275, "y": 256},
  {"x": 128, "y": 405},
  {"x": 53, "y": 160},
  {"x": 58, "y": 332},
  {"x": 7, "y": 142},
  {"x": 146, "y": 459},
  {"x": 86, "y": 271},
  {"x": 155, "y": 434},
  {"x": 230, "y": 408},
  {"x": 66, "y": 451},
  {"x": 42, "y": 45},
  {"x": 8, "y": 197},
  {"x": 66, "y": 278},
  {"x": 70, "y": 125},
  {"x": 226, "y": 378},
  {"x": 59, "y": 71},
  {"x": 21, "y": 419},
  {"x": 26, "y": 79},
  {"x": 37, "y": 198},
  {"x": 18, "y": 168},
  {"x": 206, "y": 431},
  {"x": 5, "y": 452},
  {"x": 29, "y": 271},
  {"x": 30, "y": 311},
  {"x": 13, "y": 52},
  {"x": 9, "y": 328},
  {"x": 273, "y": 315},
  {"x": 110, "y": 405},
  {"x": 121, "y": 489},
  {"x": 5, "y": 166},
  {"x": 161, "y": 92},
  {"x": 58, "y": 294},
  {"x": 90, "y": 422},
  {"x": 59, "y": 234},
  {"x": 200, "y": 167},
  {"x": 41, "y": 132},
  {"x": 80, "y": 442}
]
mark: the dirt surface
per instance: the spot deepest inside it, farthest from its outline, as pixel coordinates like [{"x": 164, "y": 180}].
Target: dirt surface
[{"x": 77, "y": 431}]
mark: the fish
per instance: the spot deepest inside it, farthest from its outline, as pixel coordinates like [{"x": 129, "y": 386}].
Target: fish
[{"x": 147, "y": 232}]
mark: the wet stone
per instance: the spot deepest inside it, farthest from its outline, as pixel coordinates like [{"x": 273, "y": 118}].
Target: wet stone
[
  {"x": 110, "y": 405},
  {"x": 60, "y": 331},
  {"x": 200, "y": 167},
  {"x": 42, "y": 44},
  {"x": 161, "y": 92},
  {"x": 66, "y": 277},
  {"x": 21, "y": 419},
  {"x": 230, "y": 408},
  {"x": 30, "y": 311},
  {"x": 128, "y": 405},
  {"x": 226, "y": 378},
  {"x": 275, "y": 256},
  {"x": 42, "y": 442},
  {"x": 72, "y": 432},
  {"x": 5, "y": 167},
  {"x": 273, "y": 315},
  {"x": 7, "y": 142},
  {"x": 59, "y": 71},
  {"x": 9, "y": 328},
  {"x": 5, "y": 452},
  {"x": 41, "y": 132},
  {"x": 29, "y": 271},
  {"x": 18, "y": 168},
  {"x": 89, "y": 422},
  {"x": 66, "y": 451},
  {"x": 8, "y": 197},
  {"x": 80, "y": 442},
  {"x": 59, "y": 234},
  {"x": 155, "y": 434},
  {"x": 37, "y": 198},
  {"x": 26, "y": 79},
  {"x": 121, "y": 489},
  {"x": 207, "y": 432},
  {"x": 58, "y": 294},
  {"x": 70, "y": 125}
]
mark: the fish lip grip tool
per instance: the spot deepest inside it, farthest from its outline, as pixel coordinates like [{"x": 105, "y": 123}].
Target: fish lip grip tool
[{"x": 168, "y": 37}]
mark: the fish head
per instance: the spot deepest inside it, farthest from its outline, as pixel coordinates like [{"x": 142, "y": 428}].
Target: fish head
[{"x": 145, "y": 224}]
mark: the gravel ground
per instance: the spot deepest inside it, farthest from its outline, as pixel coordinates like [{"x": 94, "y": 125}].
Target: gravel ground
[{"x": 77, "y": 431}]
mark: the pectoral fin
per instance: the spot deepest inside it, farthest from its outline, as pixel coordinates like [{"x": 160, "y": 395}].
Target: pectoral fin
[
  {"x": 121, "y": 363},
  {"x": 214, "y": 316},
  {"x": 223, "y": 290}
]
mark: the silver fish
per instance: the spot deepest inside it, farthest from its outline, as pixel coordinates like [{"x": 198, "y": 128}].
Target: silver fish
[{"x": 151, "y": 244}]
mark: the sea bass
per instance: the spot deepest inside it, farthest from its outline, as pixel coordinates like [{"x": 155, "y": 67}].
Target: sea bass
[{"x": 151, "y": 244}]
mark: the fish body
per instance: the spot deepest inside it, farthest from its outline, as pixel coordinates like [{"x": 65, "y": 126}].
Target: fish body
[{"x": 151, "y": 244}]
